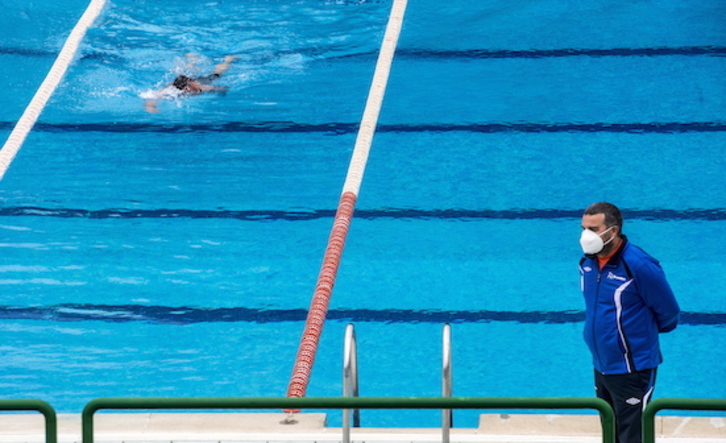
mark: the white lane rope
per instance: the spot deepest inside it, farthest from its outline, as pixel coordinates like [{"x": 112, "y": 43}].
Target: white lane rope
[
  {"x": 374, "y": 102},
  {"x": 57, "y": 71}
]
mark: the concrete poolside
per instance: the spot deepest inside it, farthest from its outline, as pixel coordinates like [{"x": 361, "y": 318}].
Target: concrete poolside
[{"x": 310, "y": 427}]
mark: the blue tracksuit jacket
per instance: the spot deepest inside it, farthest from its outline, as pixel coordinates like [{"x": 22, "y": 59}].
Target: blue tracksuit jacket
[{"x": 627, "y": 304}]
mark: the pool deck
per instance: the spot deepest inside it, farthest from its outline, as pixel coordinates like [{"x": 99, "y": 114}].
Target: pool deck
[{"x": 310, "y": 427}]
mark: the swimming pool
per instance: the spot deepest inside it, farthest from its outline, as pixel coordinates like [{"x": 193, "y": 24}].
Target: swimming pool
[{"x": 176, "y": 254}]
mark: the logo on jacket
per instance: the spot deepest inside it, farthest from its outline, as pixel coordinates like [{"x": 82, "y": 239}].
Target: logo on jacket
[
  {"x": 612, "y": 276},
  {"x": 632, "y": 401}
]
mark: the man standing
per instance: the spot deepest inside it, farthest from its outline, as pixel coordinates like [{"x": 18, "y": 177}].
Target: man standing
[{"x": 628, "y": 302}]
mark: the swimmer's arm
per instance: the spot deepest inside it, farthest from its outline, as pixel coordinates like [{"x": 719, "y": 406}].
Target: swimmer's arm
[
  {"x": 153, "y": 97},
  {"x": 213, "y": 88},
  {"x": 192, "y": 59},
  {"x": 219, "y": 88},
  {"x": 222, "y": 67},
  {"x": 150, "y": 106}
]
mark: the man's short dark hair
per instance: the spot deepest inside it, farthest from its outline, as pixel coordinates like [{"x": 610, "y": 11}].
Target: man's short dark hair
[
  {"x": 612, "y": 213},
  {"x": 181, "y": 82}
]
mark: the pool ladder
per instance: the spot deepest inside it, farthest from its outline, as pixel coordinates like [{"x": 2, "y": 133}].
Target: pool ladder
[{"x": 350, "y": 381}]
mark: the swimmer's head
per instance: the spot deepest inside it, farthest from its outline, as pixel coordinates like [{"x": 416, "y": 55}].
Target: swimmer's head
[{"x": 181, "y": 82}]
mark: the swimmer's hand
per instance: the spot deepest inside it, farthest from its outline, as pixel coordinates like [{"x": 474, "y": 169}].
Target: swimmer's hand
[{"x": 150, "y": 107}]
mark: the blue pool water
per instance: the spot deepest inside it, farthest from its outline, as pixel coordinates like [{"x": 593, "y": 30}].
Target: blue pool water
[{"x": 176, "y": 254}]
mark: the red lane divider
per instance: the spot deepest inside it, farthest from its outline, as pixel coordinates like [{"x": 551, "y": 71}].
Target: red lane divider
[{"x": 321, "y": 297}]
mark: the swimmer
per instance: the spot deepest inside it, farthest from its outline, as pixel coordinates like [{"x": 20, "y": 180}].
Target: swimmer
[{"x": 184, "y": 86}]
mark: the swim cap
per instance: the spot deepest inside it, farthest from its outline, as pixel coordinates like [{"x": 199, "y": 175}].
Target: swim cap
[{"x": 181, "y": 82}]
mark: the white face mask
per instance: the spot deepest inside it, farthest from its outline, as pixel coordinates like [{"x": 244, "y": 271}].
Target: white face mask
[{"x": 591, "y": 242}]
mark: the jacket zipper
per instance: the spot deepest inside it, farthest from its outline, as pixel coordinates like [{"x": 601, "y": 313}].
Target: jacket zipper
[{"x": 595, "y": 317}]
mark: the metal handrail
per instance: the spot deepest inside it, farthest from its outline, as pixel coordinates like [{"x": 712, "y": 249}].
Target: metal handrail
[
  {"x": 606, "y": 412},
  {"x": 686, "y": 404},
  {"x": 447, "y": 384},
  {"x": 350, "y": 379},
  {"x": 51, "y": 420}
]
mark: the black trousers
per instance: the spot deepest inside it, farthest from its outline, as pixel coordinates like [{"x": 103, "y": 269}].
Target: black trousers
[{"x": 628, "y": 394}]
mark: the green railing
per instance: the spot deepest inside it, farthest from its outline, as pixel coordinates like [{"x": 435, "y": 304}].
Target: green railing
[
  {"x": 51, "y": 420},
  {"x": 606, "y": 412},
  {"x": 684, "y": 404}
]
